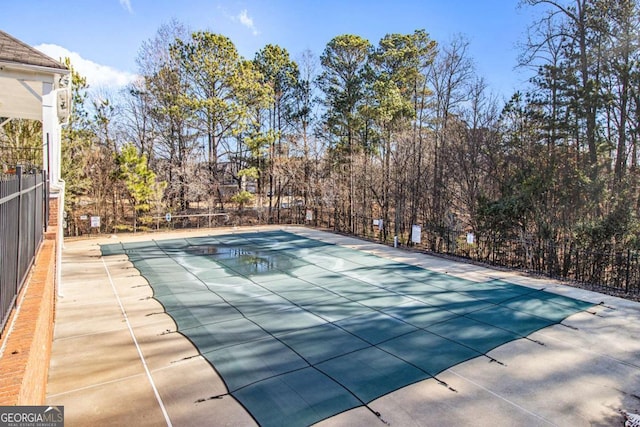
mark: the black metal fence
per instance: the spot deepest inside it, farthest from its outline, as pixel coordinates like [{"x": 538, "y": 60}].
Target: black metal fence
[
  {"x": 607, "y": 269},
  {"x": 23, "y": 213}
]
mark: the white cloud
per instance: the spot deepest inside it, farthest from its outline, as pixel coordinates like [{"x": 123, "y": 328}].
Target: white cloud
[
  {"x": 247, "y": 21},
  {"x": 97, "y": 75},
  {"x": 127, "y": 5}
]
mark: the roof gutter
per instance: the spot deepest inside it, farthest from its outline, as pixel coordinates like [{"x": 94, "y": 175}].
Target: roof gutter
[{"x": 32, "y": 68}]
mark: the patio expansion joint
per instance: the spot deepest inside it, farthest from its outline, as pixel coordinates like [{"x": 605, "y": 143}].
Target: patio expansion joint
[
  {"x": 142, "y": 359},
  {"x": 589, "y": 351},
  {"x": 499, "y": 396},
  {"x": 90, "y": 334},
  {"x": 96, "y": 385}
]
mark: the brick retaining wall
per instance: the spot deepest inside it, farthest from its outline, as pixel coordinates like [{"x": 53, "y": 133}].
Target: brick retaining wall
[{"x": 28, "y": 335}]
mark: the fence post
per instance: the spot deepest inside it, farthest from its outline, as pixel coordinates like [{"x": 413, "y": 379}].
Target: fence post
[
  {"x": 626, "y": 283},
  {"x": 19, "y": 225},
  {"x": 45, "y": 216},
  {"x": 45, "y": 180},
  {"x": 35, "y": 214},
  {"x": 493, "y": 249}
]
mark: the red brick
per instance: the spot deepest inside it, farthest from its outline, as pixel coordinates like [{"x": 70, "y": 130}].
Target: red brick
[{"x": 24, "y": 365}]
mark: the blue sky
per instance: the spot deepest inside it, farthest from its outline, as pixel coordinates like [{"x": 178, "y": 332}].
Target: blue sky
[{"x": 106, "y": 35}]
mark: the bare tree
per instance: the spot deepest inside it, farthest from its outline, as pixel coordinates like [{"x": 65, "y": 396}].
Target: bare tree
[
  {"x": 175, "y": 138},
  {"x": 449, "y": 78}
]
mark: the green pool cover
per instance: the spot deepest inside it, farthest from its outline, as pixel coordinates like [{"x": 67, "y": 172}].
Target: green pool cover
[{"x": 301, "y": 330}]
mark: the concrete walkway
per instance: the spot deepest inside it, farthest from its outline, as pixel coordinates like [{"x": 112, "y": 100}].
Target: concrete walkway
[{"x": 117, "y": 359}]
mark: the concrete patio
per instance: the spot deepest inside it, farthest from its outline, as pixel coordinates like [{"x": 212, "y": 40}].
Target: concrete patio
[{"x": 117, "y": 360}]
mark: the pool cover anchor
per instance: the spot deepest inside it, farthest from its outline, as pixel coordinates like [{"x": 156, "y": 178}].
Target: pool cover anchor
[
  {"x": 534, "y": 341},
  {"x": 186, "y": 358},
  {"x": 444, "y": 384},
  {"x": 603, "y": 305},
  {"x": 216, "y": 397},
  {"x": 154, "y": 314},
  {"x": 492, "y": 360},
  {"x": 377, "y": 414}
]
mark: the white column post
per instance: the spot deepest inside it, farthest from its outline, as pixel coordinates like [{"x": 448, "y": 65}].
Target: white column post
[{"x": 51, "y": 138}]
